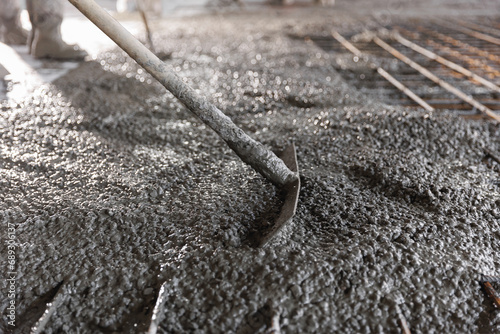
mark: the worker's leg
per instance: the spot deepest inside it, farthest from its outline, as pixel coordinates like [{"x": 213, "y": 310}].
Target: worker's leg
[
  {"x": 11, "y": 31},
  {"x": 46, "y": 42}
]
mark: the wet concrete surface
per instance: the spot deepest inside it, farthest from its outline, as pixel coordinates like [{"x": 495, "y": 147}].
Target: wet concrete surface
[{"x": 114, "y": 188}]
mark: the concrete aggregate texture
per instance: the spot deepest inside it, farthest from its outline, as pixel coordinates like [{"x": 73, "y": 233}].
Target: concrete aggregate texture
[{"x": 114, "y": 188}]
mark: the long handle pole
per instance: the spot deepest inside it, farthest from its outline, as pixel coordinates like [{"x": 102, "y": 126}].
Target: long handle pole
[
  {"x": 250, "y": 151},
  {"x": 142, "y": 11}
]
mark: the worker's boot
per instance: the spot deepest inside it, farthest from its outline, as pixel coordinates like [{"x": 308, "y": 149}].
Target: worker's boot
[
  {"x": 11, "y": 31},
  {"x": 47, "y": 43},
  {"x": 46, "y": 40}
]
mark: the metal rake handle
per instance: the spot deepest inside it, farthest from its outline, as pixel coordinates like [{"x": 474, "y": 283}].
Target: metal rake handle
[{"x": 250, "y": 151}]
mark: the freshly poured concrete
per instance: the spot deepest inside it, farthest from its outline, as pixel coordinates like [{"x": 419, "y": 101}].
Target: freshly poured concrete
[{"x": 115, "y": 188}]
